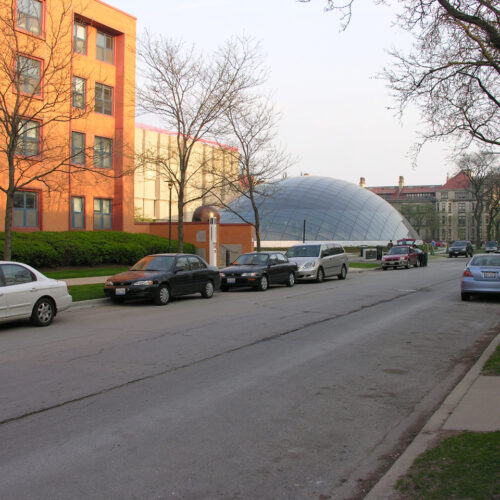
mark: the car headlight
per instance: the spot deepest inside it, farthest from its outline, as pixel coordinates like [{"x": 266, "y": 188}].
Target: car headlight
[
  {"x": 108, "y": 283},
  {"x": 142, "y": 283},
  {"x": 222, "y": 275},
  {"x": 249, "y": 274},
  {"x": 307, "y": 265}
]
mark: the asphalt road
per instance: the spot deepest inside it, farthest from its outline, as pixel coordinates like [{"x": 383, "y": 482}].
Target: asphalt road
[{"x": 293, "y": 393}]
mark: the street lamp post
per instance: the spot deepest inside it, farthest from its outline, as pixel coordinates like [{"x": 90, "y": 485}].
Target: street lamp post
[{"x": 170, "y": 186}]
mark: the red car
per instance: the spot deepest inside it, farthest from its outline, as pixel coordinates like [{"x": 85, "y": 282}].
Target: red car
[{"x": 400, "y": 256}]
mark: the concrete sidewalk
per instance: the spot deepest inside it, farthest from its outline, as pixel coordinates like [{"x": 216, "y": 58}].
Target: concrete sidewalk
[{"x": 474, "y": 405}]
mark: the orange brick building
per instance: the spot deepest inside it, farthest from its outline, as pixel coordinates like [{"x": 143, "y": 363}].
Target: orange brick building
[{"x": 92, "y": 126}]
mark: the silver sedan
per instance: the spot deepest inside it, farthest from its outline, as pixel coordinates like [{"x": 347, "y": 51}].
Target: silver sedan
[{"x": 481, "y": 276}]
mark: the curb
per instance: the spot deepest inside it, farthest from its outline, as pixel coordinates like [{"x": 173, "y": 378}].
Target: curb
[
  {"x": 84, "y": 304},
  {"x": 384, "y": 489}
]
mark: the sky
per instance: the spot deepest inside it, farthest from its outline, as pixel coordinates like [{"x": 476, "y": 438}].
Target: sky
[{"x": 336, "y": 116}]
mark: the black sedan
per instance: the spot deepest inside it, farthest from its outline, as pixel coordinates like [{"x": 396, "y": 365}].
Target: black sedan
[
  {"x": 258, "y": 270},
  {"x": 162, "y": 276}
]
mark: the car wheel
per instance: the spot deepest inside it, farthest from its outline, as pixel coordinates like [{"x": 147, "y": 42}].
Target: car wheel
[
  {"x": 465, "y": 296},
  {"x": 343, "y": 273},
  {"x": 43, "y": 312},
  {"x": 224, "y": 288},
  {"x": 449, "y": 256},
  {"x": 208, "y": 290},
  {"x": 162, "y": 295},
  {"x": 263, "y": 283},
  {"x": 320, "y": 277},
  {"x": 408, "y": 264},
  {"x": 384, "y": 268},
  {"x": 291, "y": 280}
]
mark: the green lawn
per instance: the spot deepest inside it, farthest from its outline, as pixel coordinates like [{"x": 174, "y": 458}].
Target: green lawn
[
  {"x": 87, "y": 272},
  {"x": 364, "y": 265},
  {"x": 492, "y": 366},
  {"x": 464, "y": 466},
  {"x": 86, "y": 292}
]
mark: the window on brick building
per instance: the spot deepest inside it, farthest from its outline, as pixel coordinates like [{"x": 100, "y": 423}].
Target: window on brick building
[
  {"x": 105, "y": 47},
  {"x": 77, "y": 212},
  {"x": 28, "y": 72},
  {"x": 102, "y": 214},
  {"x": 80, "y": 38},
  {"x": 28, "y": 141},
  {"x": 103, "y": 152},
  {"x": 77, "y": 148},
  {"x": 29, "y": 16},
  {"x": 79, "y": 92},
  {"x": 25, "y": 209},
  {"x": 103, "y": 99}
]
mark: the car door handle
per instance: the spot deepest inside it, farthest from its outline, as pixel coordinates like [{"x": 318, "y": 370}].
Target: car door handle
[{"x": 33, "y": 289}]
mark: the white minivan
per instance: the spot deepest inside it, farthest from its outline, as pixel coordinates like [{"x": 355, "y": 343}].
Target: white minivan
[{"x": 319, "y": 260}]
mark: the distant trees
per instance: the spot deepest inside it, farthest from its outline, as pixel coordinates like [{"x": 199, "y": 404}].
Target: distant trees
[
  {"x": 192, "y": 93},
  {"x": 483, "y": 175}
]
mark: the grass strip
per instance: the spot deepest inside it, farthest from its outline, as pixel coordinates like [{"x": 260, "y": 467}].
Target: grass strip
[
  {"x": 466, "y": 465},
  {"x": 87, "y": 292},
  {"x": 492, "y": 366},
  {"x": 364, "y": 265},
  {"x": 84, "y": 273}
]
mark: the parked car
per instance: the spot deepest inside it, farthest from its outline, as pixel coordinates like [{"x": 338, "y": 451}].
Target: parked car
[
  {"x": 25, "y": 293},
  {"x": 491, "y": 246},
  {"x": 461, "y": 247},
  {"x": 481, "y": 276},
  {"x": 317, "y": 261},
  {"x": 400, "y": 256},
  {"x": 162, "y": 276},
  {"x": 259, "y": 270}
]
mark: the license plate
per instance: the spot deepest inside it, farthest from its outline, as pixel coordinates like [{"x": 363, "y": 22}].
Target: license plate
[
  {"x": 120, "y": 291},
  {"x": 490, "y": 275},
  {"x": 231, "y": 281}
]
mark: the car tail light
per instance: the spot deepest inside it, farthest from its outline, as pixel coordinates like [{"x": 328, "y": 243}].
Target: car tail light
[
  {"x": 467, "y": 273},
  {"x": 67, "y": 286}
]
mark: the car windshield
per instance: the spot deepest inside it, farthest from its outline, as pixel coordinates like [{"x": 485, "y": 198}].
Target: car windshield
[
  {"x": 155, "y": 263},
  {"x": 303, "y": 251},
  {"x": 459, "y": 244},
  {"x": 251, "y": 259},
  {"x": 492, "y": 244},
  {"x": 486, "y": 261},
  {"x": 398, "y": 251}
]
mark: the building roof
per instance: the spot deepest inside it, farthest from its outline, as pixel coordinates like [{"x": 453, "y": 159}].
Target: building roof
[{"x": 458, "y": 181}]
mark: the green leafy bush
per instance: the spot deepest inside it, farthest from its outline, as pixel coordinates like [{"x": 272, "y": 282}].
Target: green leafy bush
[{"x": 82, "y": 248}]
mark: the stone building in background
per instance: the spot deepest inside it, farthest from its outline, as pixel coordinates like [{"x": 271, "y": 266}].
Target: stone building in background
[{"x": 436, "y": 212}]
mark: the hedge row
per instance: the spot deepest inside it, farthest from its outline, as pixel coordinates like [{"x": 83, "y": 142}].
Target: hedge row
[{"x": 64, "y": 249}]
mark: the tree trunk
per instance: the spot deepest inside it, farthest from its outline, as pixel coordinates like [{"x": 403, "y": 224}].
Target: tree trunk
[{"x": 9, "y": 208}]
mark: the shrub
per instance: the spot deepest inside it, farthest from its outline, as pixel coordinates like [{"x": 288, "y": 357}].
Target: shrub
[{"x": 86, "y": 248}]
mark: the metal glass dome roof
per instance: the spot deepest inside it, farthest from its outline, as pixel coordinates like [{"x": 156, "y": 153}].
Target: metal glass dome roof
[{"x": 333, "y": 210}]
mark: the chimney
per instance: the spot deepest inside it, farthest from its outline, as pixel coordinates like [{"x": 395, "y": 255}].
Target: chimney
[
  {"x": 401, "y": 182},
  {"x": 362, "y": 182}
]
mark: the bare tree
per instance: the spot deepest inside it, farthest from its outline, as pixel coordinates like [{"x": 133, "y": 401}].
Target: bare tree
[
  {"x": 190, "y": 93},
  {"x": 37, "y": 97},
  {"x": 452, "y": 73},
  {"x": 479, "y": 168},
  {"x": 261, "y": 161}
]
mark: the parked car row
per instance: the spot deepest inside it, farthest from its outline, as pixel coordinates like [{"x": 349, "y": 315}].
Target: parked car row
[{"x": 25, "y": 293}]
